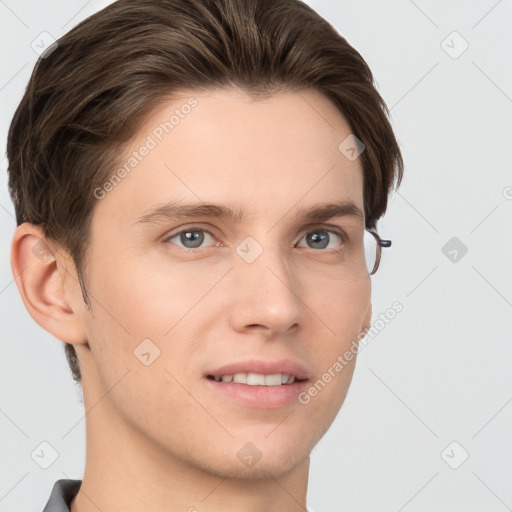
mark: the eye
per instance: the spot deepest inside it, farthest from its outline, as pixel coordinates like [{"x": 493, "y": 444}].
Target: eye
[
  {"x": 194, "y": 238},
  {"x": 191, "y": 238},
  {"x": 321, "y": 238}
]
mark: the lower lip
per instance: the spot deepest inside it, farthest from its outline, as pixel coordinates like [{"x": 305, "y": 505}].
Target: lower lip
[{"x": 264, "y": 397}]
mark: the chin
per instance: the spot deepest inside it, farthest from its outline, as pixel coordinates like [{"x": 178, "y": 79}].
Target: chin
[{"x": 270, "y": 465}]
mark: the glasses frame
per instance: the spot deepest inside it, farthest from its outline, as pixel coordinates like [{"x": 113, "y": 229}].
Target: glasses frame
[{"x": 380, "y": 244}]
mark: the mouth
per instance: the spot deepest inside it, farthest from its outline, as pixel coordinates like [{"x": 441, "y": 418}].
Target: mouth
[
  {"x": 257, "y": 379},
  {"x": 259, "y": 384}
]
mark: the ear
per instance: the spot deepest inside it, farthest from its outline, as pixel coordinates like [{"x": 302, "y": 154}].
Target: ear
[{"x": 41, "y": 271}]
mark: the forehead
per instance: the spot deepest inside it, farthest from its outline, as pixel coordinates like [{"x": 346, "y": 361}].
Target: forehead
[{"x": 266, "y": 155}]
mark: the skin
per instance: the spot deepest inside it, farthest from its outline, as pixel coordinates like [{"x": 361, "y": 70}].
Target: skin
[{"x": 157, "y": 438}]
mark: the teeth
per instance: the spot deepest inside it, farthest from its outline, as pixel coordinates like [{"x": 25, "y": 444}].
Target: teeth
[
  {"x": 241, "y": 378},
  {"x": 273, "y": 380},
  {"x": 258, "y": 379},
  {"x": 255, "y": 379}
]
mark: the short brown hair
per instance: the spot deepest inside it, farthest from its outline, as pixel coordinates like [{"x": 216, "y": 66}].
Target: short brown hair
[{"x": 87, "y": 97}]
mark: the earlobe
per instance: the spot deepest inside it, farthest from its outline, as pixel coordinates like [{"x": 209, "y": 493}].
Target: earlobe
[{"x": 39, "y": 270}]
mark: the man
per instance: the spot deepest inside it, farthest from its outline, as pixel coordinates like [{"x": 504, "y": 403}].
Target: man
[{"x": 197, "y": 187}]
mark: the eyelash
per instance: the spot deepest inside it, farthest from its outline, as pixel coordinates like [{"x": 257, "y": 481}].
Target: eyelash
[{"x": 341, "y": 234}]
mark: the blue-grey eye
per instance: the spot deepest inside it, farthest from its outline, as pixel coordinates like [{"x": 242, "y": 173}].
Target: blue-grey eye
[
  {"x": 190, "y": 238},
  {"x": 320, "y": 239}
]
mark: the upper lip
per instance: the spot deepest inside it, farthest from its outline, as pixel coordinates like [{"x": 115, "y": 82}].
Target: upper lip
[{"x": 286, "y": 366}]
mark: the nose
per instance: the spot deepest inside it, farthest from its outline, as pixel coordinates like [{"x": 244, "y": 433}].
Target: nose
[{"x": 267, "y": 295}]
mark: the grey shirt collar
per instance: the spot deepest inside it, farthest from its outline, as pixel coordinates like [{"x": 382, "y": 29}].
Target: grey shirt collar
[{"x": 63, "y": 492}]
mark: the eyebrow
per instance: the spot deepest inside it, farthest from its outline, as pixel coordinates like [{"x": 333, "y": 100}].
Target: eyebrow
[{"x": 179, "y": 210}]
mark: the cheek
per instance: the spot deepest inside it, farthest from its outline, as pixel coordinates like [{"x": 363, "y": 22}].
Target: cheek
[
  {"x": 157, "y": 401},
  {"x": 344, "y": 311},
  {"x": 148, "y": 300},
  {"x": 343, "y": 308},
  {"x": 148, "y": 314}
]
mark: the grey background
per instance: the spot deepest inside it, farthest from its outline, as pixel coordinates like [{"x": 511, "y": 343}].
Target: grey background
[{"x": 440, "y": 371}]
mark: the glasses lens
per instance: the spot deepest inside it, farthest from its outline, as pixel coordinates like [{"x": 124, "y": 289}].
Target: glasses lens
[
  {"x": 358, "y": 258},
  {"x": 370, "y": 251}
]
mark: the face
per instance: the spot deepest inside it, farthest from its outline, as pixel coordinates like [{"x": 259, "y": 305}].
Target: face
[{"x": 177, "y": 297}]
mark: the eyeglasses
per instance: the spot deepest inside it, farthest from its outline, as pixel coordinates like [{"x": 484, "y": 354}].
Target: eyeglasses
[
  {"x": 373, "y": 245},
  {"x": 361, "y": 256}
]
